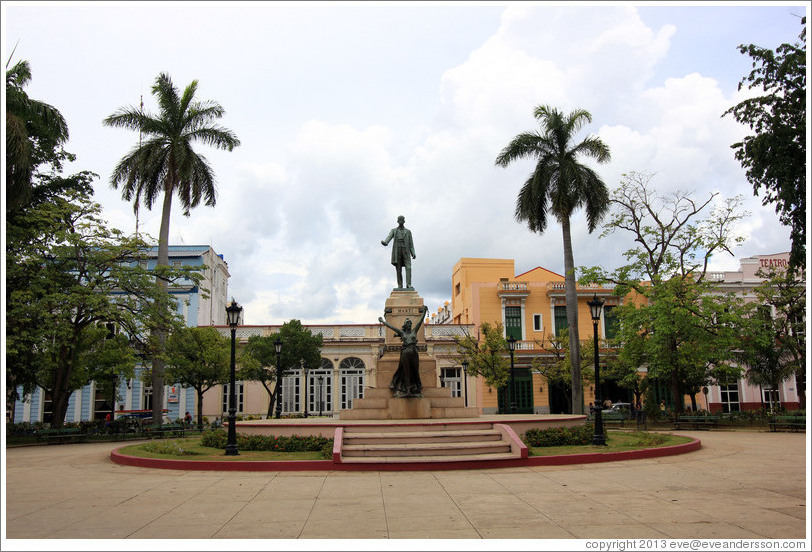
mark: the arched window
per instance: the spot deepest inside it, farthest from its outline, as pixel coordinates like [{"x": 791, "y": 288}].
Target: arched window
[{"x": 352, "y": 374}]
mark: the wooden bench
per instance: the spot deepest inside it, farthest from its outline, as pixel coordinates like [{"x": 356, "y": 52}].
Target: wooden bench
[
  {"x": 793, "y": 423},
  {"x": 697, "y": 422},
  {"x": 59, "y": 436}
]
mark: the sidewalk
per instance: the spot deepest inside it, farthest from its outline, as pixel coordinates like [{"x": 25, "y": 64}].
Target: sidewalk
[{"x": 739, "y": 485}]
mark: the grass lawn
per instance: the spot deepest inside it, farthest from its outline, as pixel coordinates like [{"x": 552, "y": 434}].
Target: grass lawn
[
  {"x": 199, "y": 452},
  {"x": 616, "y": 441}
]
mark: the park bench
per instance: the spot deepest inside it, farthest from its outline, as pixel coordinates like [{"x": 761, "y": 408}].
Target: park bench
[
  {"x": 791, "y": 422},
  {"x": 697, "y": 422},
  {"x": 59, "y": 436}
]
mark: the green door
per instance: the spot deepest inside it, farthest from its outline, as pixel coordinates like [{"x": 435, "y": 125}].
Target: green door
[
  {"x": 513, "y": 322},
  {"x": 523, "y": 386}
]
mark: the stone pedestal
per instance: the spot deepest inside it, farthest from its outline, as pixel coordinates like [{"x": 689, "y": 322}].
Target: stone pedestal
[{"x": 379, "y": 403}]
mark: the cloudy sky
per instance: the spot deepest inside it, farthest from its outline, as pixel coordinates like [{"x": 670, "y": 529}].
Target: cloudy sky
[{"x": 352, "y": 114}]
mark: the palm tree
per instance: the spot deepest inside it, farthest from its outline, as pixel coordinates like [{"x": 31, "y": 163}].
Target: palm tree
[
  {"x": 560, "y": 184},
  {"x": 34, "y": 130},
  {"x": 165, "y": 162}
]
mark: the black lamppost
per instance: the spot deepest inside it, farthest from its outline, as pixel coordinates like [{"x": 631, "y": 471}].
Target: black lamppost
[
  {"x": 512, "y": 346},
  {"x": 305, "y": 369},
  {"x": 278, "y": 346},
  {"x": 233, "y": 314},
  {"x": 599, "y": 438},
  {"x": 465, "y": 377},
  {"x": 321, "y": 402}
]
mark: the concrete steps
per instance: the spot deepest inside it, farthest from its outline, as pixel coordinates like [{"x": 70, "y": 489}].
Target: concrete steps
[{"x": 423, "y": 443}]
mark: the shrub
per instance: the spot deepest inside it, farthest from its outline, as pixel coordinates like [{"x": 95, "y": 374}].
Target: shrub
[
  {"x": 217, "y": 438},
  {"x": 559, "y": 436}
]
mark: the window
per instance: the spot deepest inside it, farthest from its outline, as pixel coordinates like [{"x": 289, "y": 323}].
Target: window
[
  {"x": 146, "y": 404},
  {"x": 730, "y": 397},
  {"x": 770, "y": 398},
  {"x": 457, "y": 289},
  {"x": 513, "y": 322},
  {"x": 239, "y": 396},
  {"x": 351, "y": 380},
  {"x": 290, "y": 391},
  {"x": 47, "y": 407},
  {"x": 610, "y": 322},
  {"x": 101, "y": 404},
  {"x": 560, "y": 319},
  {"x": 450, "y": 377},
  {"x": 538, "y": 325}
]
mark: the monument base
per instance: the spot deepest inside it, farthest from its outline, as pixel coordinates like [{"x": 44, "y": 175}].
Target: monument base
[
  {"x": 379, "y": 403},
  {"x": 436, "y": 403}
]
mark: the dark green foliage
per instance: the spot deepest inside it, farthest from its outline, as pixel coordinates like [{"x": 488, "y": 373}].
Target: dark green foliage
[
  {"x": 217, "y": 438},
  {"x": 774, "y": 156},
  {"x": 559, "y": 436}
]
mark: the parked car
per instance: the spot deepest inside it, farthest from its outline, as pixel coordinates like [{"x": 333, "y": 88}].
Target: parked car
[{"x": 624, "y": 407}]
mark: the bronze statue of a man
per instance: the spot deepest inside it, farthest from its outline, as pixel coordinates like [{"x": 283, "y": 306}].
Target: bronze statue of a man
[
  {"x": 406, "y": 379},
  {"x": 402, "y": 252}
]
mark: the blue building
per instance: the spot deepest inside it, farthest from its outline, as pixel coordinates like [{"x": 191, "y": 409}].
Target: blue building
[{"x": 196, "y": 309}]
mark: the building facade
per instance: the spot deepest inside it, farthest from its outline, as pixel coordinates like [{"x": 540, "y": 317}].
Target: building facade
[
  {"x": 349, "y": 359},
  {"x": 200, "y": 304},
  {"x": 532, "y": 309},
  {"x": 740, "y": 395}
]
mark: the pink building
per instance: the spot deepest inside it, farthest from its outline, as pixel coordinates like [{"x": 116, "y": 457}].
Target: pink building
[{"x": 741, "y": 395}]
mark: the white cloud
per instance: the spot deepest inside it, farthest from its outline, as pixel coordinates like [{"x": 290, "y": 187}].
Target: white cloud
[{"x": 349, "y": 119}]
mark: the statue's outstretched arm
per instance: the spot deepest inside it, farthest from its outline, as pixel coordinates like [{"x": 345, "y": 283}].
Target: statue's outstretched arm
[
  {"x": 422, "y": 318},
  {"x": 394, "y": 329}
]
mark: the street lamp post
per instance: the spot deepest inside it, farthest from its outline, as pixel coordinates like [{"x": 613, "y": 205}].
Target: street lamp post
[
  {"x": 278, "y": 346},
  {"x": 512, "y": 346},
  {"x": 465, "y": 377},
  {"x": 305, "y": 369},
  {"x": 321, "y": 402},
  {"x": 233, "y": 311},
  {"x": 599, "y": 438}
]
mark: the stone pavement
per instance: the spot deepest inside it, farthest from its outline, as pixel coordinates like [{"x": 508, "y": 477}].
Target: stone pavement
[{"x": 745, "y": 484}]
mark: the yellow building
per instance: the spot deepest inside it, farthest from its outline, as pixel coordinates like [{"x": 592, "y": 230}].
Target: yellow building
[{"x": 532, "y": 308}]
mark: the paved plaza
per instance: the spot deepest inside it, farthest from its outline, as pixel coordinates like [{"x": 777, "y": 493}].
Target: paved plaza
[{"x": 745, "y": 484}]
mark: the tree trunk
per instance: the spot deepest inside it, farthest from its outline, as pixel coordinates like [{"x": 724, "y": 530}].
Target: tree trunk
[
  {"x": 571, "y": 294},
  {"x": 200, "y": 408},
  {"x": 60, "y": 392},
  {"x": 160, "y": 333}
]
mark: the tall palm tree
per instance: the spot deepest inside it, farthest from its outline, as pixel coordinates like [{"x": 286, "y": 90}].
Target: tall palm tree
[
  {"x": 34, "y": 130},
  {"x": 165, "y": 162},
  {"x": 560, "y": 184}
]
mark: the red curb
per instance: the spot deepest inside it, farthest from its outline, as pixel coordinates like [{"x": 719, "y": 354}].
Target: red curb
[{"x": 329, "y": 465}]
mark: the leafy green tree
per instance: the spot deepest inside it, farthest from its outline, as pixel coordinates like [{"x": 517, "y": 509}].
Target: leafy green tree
[
  {"x": 68, "y": 276},
  {"x": 557, "y": 370},
  {"x": 774, "y": 340},
  {"x": 35, "y": 132},
  {"x": 258, "y": 360},
  {"x": 561, "y": 184},
  {"x": 198, "y": 357},
  {"x": 486, "y": 354},
  {"x": 774, "y": 156},
  {"x": 165, "y": 162},
  {"x": 682, "y": 329}
]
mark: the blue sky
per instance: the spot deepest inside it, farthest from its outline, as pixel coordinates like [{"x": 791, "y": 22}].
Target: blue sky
[{"x": 352, "y": 114}]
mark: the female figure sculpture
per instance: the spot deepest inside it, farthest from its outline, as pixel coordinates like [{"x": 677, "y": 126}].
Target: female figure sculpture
[{"x": 406, "y": 380}]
